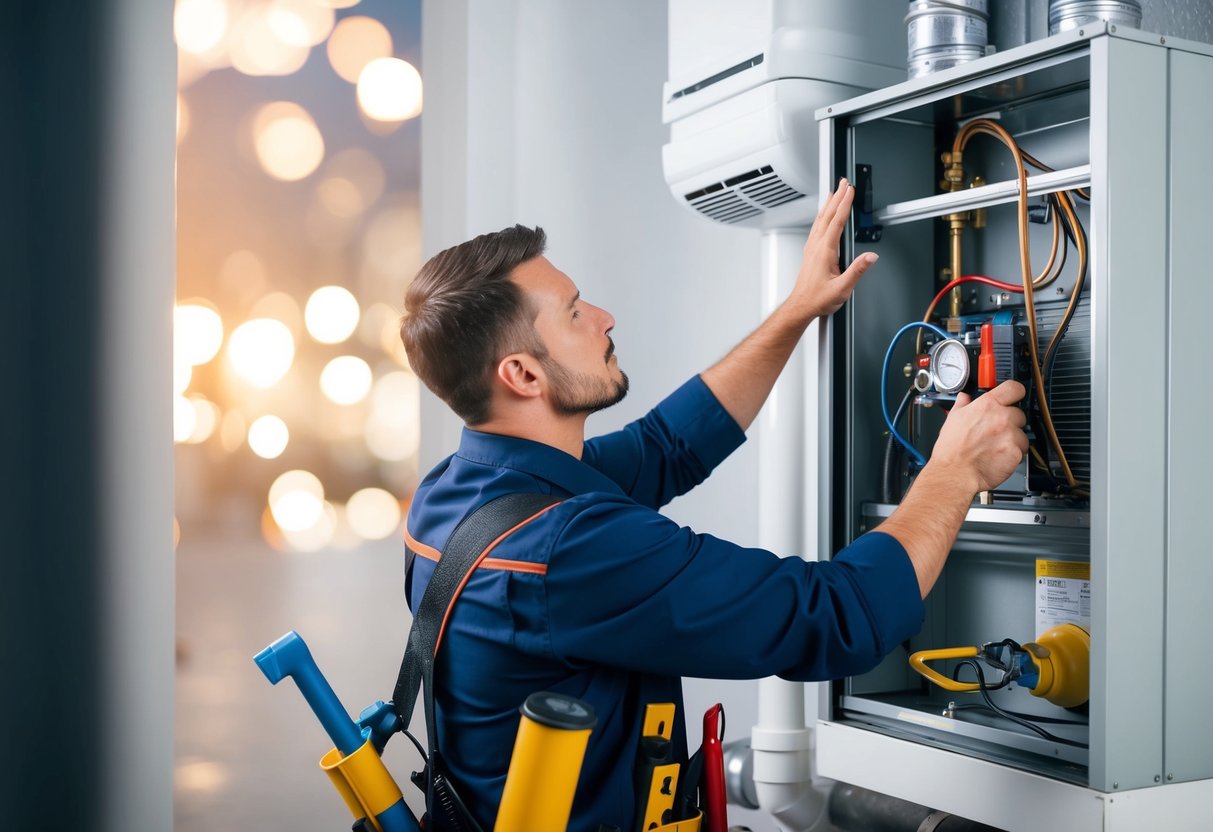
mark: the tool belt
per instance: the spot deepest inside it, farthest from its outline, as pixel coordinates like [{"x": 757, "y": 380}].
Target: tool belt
[{"x": 666, "y": 803}]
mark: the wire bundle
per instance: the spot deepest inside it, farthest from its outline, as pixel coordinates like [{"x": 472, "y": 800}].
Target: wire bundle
[{"x": 985, "y": 126}]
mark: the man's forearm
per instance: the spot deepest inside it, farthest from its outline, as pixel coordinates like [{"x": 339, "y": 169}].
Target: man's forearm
[
  {"x": 929, "y": 518},
  {"x": 743, "y": 379}
]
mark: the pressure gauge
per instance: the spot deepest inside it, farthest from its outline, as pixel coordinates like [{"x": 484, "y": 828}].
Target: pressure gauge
[{"x": 949, "y": 365}]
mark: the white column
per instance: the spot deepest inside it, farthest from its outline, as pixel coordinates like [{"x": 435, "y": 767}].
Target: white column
[
  {"x": 781, "y": 741},
  {"x": 135, "y": 423}
]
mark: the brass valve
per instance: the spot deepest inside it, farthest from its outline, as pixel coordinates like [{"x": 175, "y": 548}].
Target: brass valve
[{"x": 953, "y": 171}]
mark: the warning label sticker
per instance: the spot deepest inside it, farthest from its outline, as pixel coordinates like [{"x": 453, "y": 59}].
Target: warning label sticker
[{"x": 1063, "y": 594}]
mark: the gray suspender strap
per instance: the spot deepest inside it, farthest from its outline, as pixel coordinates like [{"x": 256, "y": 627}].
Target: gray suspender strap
[{"x": 467, "y": 546}]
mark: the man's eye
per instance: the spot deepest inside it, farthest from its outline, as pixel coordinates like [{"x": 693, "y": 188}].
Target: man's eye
[{"x": 576, "y": 314}]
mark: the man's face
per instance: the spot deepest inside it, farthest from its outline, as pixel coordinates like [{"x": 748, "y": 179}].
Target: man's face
[{"x": 582, "y": 370}]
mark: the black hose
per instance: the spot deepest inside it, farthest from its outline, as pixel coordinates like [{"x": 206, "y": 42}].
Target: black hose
[{"x": 894, "y": 457}]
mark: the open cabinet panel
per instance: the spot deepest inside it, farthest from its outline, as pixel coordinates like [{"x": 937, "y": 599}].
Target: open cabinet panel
[{"x": 1076, "y": 544}]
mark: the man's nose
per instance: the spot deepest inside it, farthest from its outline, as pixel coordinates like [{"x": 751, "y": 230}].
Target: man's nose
[{"x": 607, "y": 321}]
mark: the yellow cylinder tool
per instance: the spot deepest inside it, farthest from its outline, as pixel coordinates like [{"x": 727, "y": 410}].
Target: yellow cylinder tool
[
  {"x": 546, "y": 764},
  {"x": 1056, "y": 667},
  {"x": 1063, "y": 658}
]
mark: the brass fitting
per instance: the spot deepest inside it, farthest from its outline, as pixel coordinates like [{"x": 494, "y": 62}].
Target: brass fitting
[
  {"x": 953, "y": 170},
  {"x": 953, "y": 180}
]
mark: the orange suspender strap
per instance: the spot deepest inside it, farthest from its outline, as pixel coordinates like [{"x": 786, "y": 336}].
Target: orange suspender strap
[
  {"x": 480, "y": 560},
  {"x": 468, "y": 547}
]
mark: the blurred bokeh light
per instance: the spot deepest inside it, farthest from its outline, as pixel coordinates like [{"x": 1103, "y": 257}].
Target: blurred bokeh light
[
  {"x": 317, "y": 533},
  {"x": 258, "y": 49},
  {"x": 373, "y": 513},
  {"x": 292, "y": 481},
  {"x": 388, "y": 435},
  {"x": 197, "y": 333},
  {"x": 268, "y": 436},
  {"x": 389, "y": 89},
  {"x": 199, "y": 25},
  {"x": 261, "y": 351},
  {"x": 301, "y": 22},
  {"x": 355, "y": 42},
  {"x": 331, "y": 314},
  {"x": 288, "y": 142},
  {"x": 346, "y": 379}
]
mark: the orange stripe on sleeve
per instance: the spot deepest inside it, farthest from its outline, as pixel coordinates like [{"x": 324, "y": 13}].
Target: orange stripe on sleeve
[
  {"x": 420, "y": 548},
  {"x": 515, "y": 566}
]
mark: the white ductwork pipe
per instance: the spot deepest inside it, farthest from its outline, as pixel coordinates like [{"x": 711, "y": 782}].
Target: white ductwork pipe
[{"x": 782, "y": 743}]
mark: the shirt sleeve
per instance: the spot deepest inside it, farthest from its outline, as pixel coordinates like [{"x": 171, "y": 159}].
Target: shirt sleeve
[
  {"x": 671, "y": 449},
  {"x": 629, "y": 588}
]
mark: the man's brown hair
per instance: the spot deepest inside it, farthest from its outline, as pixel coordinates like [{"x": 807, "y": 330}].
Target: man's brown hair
[{"x": 462, "y": 313}]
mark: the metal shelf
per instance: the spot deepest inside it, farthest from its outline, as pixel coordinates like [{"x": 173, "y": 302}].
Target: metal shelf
[
  {"x": 1048, "y": 517},
  {"x": 995, "y": 193}
]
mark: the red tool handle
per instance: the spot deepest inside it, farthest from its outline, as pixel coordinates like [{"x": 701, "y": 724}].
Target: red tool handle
[{"x": 714, "y": 807}]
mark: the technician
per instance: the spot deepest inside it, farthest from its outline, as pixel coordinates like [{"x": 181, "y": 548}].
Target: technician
[{"x": 601, "y": 597}]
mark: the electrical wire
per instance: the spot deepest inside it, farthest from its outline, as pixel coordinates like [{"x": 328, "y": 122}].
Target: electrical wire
[
  {"x": 983, "y": 689},
  {"x": 992, "y": 128},
  {"x": 1041, "y": 166},
  {"x": 915, "y": 454},
  {"x": 1080, "y": 242},
  {"x": 968, "y": 278},
  {"x": 980, "y": 706},
  {"x": 424, "y": 757}
]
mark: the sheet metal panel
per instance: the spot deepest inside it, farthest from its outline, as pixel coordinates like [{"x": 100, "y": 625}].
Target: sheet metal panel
[
  {"x": 1128, "y": 414},
  {"x": 1188, "y": 743}
]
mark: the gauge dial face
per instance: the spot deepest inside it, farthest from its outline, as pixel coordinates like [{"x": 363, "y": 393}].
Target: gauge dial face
[{"x": 950, "y": 365}]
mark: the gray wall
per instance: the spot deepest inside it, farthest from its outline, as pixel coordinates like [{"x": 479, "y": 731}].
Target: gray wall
[
  {"x": 548, "y": 112},
  {"x": 86, "y": 230}
]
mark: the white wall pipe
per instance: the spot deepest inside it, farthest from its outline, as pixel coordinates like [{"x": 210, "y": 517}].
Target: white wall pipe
[{"x": 781, "y": 742}]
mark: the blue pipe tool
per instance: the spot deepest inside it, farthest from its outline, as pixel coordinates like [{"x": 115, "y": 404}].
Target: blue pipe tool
[{"x": 354, "y": 765}]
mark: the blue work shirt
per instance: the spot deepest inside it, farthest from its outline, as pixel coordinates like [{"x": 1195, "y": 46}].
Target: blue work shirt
[{"x": 604, "y": 599}]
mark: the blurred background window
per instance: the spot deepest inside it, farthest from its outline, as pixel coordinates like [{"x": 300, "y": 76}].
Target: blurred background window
[{"x": 295, "y": 410}]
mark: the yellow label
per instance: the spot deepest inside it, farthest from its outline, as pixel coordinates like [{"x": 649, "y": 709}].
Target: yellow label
[
  {"x": 1063, "y": 594},
  {"x": 1063, "y": 569}
]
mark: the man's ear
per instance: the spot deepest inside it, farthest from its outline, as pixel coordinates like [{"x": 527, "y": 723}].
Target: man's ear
[{"x": 521, "y": 375}]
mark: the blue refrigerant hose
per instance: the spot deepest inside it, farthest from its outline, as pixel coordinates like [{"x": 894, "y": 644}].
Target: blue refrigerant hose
[{"x": 917, "y": 456}]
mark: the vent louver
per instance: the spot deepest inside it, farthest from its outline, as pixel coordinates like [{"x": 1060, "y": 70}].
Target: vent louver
[
  {"x": 1069, "y": 384},
  {"x": 743, "y": 196}
]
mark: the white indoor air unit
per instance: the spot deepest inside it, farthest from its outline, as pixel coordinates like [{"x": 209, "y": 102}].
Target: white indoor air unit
[{"x": 745, "y": 77}]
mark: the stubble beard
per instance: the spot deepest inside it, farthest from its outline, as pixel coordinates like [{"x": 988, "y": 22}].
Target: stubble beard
[{"x": 577, "y": 394}]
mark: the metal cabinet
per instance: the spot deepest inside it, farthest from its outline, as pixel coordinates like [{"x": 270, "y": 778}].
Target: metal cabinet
[{"x": 1125, "y": 116}]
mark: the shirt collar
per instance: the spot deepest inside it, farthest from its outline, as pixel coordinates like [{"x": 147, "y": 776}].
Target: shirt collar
[{"x": 544, "y": 461}]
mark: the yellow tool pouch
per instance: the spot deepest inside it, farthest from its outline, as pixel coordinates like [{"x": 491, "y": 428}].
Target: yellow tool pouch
[
  {"x": 664, "y": 804},
  {"x": 362, "y": 781}
]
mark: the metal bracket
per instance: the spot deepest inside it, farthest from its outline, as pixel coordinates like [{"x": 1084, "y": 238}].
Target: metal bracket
[{"x": 866, "y": 229}]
